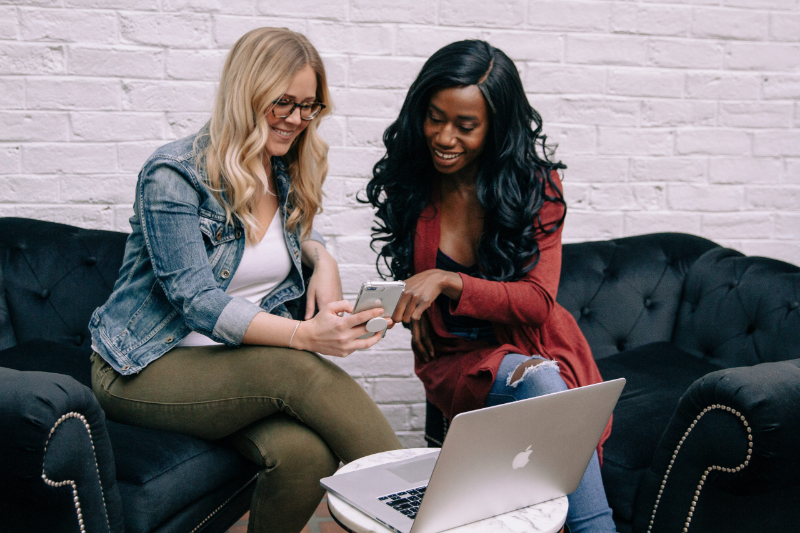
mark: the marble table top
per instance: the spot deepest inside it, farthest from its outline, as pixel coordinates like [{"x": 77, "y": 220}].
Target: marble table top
[{"x": 546, "y": 517}]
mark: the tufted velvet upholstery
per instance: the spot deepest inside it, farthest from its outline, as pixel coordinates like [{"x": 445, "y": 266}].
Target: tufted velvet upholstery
[
  {"x": 691, "y": 326},
  {"x": 52, "y": 277}
]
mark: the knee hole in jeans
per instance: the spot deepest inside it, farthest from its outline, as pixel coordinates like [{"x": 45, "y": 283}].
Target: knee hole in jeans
[{"x": 527, "y": 368}]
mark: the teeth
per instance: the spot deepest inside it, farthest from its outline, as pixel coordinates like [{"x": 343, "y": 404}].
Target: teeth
[
  {"x": 282, "y": 133},
  {"x": 446, "y": 156}
]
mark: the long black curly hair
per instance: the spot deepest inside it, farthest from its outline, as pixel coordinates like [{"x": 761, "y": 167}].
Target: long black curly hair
[{"x": 514, "y": 168}]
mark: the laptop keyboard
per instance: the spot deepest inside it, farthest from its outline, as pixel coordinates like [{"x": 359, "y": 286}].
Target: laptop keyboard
[{"x": 406, "y": 502}]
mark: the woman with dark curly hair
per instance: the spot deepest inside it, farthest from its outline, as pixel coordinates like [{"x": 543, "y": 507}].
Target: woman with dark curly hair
[{"x": 470, "y": 212}]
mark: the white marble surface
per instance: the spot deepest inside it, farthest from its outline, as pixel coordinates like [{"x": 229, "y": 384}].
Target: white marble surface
[{"x": 547, "y": 517}]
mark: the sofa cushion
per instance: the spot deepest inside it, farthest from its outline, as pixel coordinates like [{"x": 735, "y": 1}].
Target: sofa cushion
[
  {"x": 49, "y": 356},
  {"x": 625, "y": 292},
  {"x": 657, "y": 376},
  {"x": 159, "y": 473},
  {"x": 740, "y": 311}
]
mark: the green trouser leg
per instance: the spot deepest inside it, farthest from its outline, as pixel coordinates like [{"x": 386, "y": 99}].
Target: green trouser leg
[{"x": 293, "y": 413}]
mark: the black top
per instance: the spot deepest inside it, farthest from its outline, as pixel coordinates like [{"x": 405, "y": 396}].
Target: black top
[{"x": 463, "y": 326}]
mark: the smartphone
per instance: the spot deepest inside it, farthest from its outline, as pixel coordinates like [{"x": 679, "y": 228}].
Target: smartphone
[{"x": 374, "y": 294}]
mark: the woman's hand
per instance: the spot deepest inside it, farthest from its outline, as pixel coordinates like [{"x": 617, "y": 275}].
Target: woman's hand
[
  {"x": 330, "y": 334},
  {"x": 325, "y": 285},
  {"x": 421, "y": 291},
  {"x": 422, "y": 338}
]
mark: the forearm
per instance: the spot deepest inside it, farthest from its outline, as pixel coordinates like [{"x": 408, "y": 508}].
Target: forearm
[{"x": 270, "y": 330}]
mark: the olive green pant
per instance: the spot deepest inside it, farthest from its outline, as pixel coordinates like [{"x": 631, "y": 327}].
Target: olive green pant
[{"x": 293, "y": 413}]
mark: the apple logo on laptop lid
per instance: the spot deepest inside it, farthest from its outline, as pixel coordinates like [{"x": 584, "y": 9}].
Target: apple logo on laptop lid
[{"x": 522, "y": 458}]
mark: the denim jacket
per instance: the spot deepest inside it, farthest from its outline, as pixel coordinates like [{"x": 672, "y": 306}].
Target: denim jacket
[{"x": 179, "y": 259}]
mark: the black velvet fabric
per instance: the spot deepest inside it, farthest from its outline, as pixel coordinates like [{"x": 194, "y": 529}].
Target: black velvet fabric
[
  {"x": 49, "y": 356},
  {"x": 624, "y": 293},
  {"x": 657, "y": 376}
]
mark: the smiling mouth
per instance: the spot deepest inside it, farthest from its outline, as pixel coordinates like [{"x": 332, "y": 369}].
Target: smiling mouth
[
  {"x": 446, "y": 157},
  {"x": 282, "y": 133}
]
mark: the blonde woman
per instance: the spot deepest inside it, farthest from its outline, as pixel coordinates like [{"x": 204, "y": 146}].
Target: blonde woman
[{"x": 205, "y": 333}]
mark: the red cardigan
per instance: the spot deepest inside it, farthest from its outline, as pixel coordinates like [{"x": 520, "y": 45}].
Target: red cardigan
[{"x": 525, "y": 316}]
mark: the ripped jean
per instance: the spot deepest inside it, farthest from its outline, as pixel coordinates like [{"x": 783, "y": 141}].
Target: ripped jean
[{"x": 588, "y": 508}]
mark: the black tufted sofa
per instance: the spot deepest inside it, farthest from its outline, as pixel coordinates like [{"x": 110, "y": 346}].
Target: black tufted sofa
[
  {"x": 706, "y": 434},
  {"x": 64, "y": 467}
]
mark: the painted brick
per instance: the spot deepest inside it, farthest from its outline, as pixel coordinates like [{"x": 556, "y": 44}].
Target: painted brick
[
  {"x": 675, "y": 53},
  {"x": 634, "y": 141},
  {"x": 664, "y": 113},
  {"x": 26, "y": 58},
  {"x": 725, "y": 23},
  {"x": 73, "y": 93},
  {"x": 10, "y": 159},
  {"x": 583, "y": 226},
  {"x": 228, "y": 29},
  {"x": 377, "y": 363},
  {"x": 180, "y": 125},
  {"x": 635, "y": 82},
  {"x": 398, "y": 416},
  {"x": 32, "y": 126},
  {"x": 755, "y": 115},
  {"x": 505, "y": 13},
  {"x": 133, "y": 155},
  {"x": 345, "y": 221},
  {"x": 138, "y": 5},
  {"x": 330, "y": 9},
  {"x": 68, "y": 25},
  {"x": 372, "y": 39},
  {"x": 398, "y": 390},
  {"x": 367, "y": 102},
  {"x": 629, "y": 197},
  {"x": 548, "y": 107},
  {"x": 785, "y": 26},
  {"x": 736, "y": 225},
  {"x": 118, "y": 61},
  {"x": 578, "y": 195},
  {"x": 599, "y": 111},
  {"x": 352, "y": 161},
  {"x": 700, "y": 198},
  {"x": 772, "y": 198},
  {"x": 713, "y": 141},
  {"x": 9, "y": 25},
  {"x": 787, "y": 226},
  {"x": 563, "y": 79},
  {"x": 412, "y": 440},
  {"x": 762, "y": 56},
  {"x": 332, "y": 130},
  {"x": 784, "y": 251},
  {"x": 114, "y": 189},
  {"x": 780, "y": 86},
  {"x": 167, "y": 96},
  {"x": 643, "y": 223},
  {"x": 69, "y": 158},
  {"x": 792, "y": 174},
  {"x": 384, "y": 72},
  {"x": 205, "y": 65},
  {"x": 211, "y": 6},
  {"x": 366, "y": 131},
  {"x": 29, "y": 189},
  {"x": 12, "y": 93},
  {"x": 120, "y": 218},
  {"x": 668, "y": 169},
  {"x": 744, "y": 170},
  {"x": 90, "y": 217},
  {"x": 38, "y": 3},
  {"x": 764, "y": 4},
  {"x": 186, "y": 30},
  {"x": 423, "y": 41},
  {"x": 594, "y": 169},
  {"x": 342, "y": 192},
  {"x": 411, "y": 11},
  {"x": 117, "y": 126},
  {"x": 722, "y": 85},
  {"x": 335, "y": 70},
  {"x": 398, "y": 339},
  {"x": 418, "y": 416},
  {"x": 570, "y": 16},
  {"x": 651, "y": 20},
  {"x": 525, "y": 45},
  {"x": 775, "y": 143},
  {"x": 572, "y": 139},
  {"x": 606, "y": 50},
  {"x": 354, "y": 249}
]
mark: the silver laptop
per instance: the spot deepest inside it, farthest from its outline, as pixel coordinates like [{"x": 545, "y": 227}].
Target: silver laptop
[{"x": 493, "y": 461}]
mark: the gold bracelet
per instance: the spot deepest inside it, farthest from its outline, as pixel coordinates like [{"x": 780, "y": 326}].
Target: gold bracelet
[{"x": 295, "y": 331}]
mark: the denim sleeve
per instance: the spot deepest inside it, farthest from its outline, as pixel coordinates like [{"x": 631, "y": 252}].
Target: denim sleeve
[{"x": 167, "y": 205}]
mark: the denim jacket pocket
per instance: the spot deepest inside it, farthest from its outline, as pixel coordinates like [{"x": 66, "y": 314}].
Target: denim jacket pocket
[{"x": 215, "y": 233}]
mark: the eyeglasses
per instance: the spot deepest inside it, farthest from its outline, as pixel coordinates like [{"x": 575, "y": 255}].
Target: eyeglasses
[{"x": 283, "y": 108}]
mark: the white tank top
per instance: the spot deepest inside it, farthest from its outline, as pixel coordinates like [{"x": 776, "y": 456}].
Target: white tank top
[{"x": 263, "y": 266}]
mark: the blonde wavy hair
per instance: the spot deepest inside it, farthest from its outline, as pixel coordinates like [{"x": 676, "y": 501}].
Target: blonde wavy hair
[{"x": 258, "y": 70}]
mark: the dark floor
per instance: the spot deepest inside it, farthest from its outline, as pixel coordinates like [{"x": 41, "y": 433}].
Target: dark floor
[{"x": 321, "y": 522}]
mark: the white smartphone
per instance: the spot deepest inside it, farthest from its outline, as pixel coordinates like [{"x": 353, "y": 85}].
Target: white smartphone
[{"x": 374, "y": 294}]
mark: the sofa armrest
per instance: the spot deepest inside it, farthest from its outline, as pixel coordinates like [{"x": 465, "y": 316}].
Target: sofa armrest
[
  {"x": 728, "y": 460},
  {"x": 57, "y": 472}
]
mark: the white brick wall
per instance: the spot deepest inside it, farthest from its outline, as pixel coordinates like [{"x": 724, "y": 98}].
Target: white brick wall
[{"x": 673, "y": 115}]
